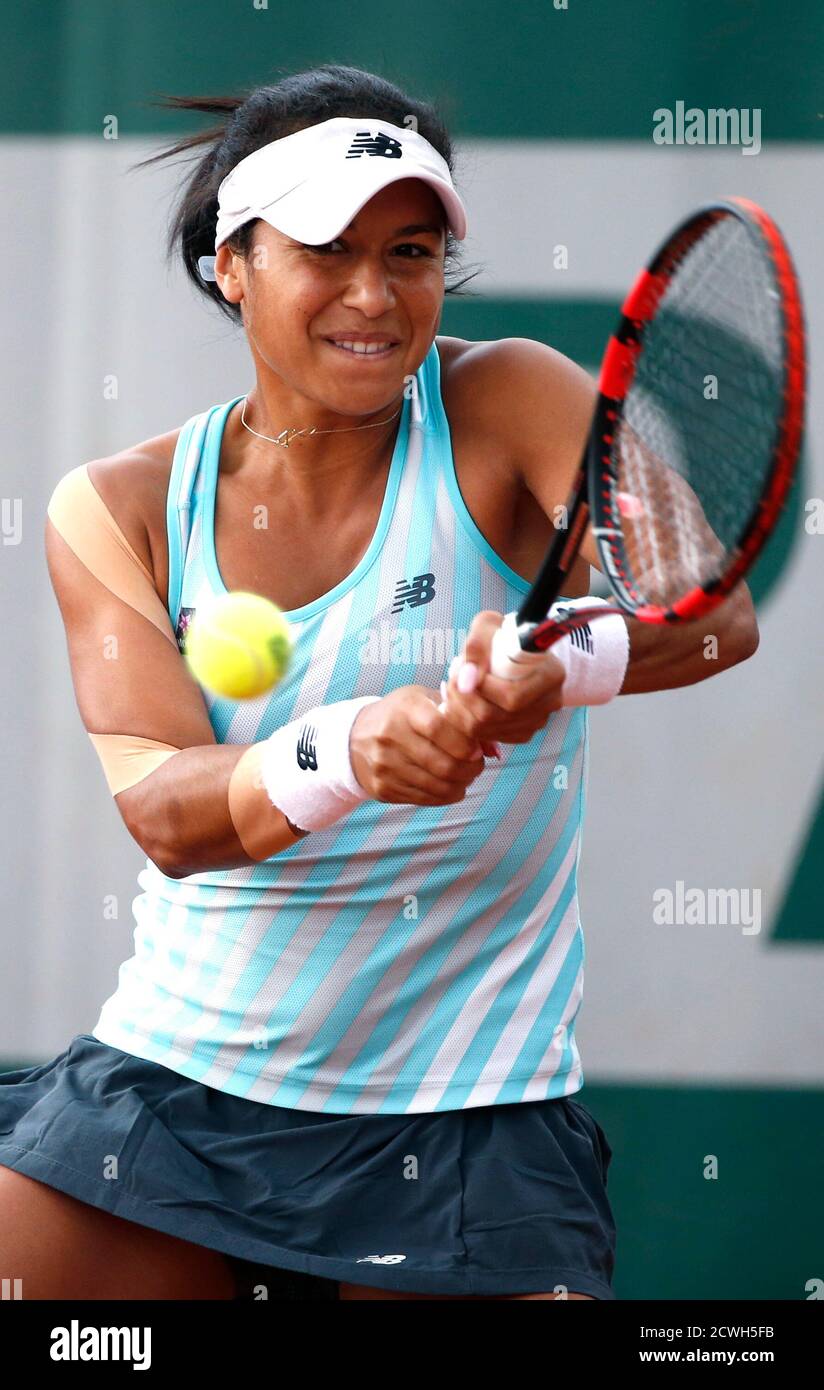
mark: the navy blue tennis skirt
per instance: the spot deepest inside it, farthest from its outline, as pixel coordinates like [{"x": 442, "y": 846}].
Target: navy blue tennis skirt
[{"x": 493, "y": 1199}]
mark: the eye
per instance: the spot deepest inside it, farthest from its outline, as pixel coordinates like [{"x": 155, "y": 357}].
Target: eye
[
  {"x": 325, "y": 248},
  {"x": 404, "y": 248},
  {"x": 413, "y": 246}
]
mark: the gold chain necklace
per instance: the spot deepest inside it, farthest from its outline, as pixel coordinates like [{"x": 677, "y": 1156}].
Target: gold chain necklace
[{"x": 287, "y": 435}]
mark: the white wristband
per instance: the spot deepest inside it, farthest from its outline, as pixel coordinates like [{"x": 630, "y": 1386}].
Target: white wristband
[
  {"x": 305, "y": 766},
  {"x": 594, "y": 657}
]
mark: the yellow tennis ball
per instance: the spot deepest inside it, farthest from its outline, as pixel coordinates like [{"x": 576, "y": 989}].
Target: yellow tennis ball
[{"x": 238, "y": 645}]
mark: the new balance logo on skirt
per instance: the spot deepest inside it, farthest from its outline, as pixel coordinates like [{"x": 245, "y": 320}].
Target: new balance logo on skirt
[
  {"x": 381, "y": 1260},
  {"x": 421, "y": 590},
  {"x": 307, "y": 752}
]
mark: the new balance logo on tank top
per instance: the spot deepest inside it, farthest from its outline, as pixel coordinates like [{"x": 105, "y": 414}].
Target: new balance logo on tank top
[{"x": 408, "y": 958}]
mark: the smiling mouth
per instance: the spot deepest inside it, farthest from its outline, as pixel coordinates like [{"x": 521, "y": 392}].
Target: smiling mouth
[{"x": 363, "y": 351}]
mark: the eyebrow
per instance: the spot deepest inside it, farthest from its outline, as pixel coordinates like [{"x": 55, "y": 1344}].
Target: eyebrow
[
  {"x": 419, "y": 227},
  {"x": 411, "y": 230}
]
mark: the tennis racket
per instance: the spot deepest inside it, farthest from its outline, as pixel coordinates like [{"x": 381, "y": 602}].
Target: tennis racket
[{"x": 695, "y": 436}]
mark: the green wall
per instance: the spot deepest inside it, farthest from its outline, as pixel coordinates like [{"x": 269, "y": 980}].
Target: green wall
[{"x": 593, "y": 71}]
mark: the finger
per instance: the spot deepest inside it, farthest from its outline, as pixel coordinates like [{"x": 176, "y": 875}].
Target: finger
[
  {"x": 480, "y": 747},
  {"x": 470, "y": 667},
  {"x": 468, "y": 712},
  {"x": 407, "y": 795},
  {"x": 485, "y": 721},
  {"x": 424, "y": 756},
  {"x": 433, "y": 723},
  {"x": 540, "y": 681},
  {"x": 521, "y": 707},
  {"x": 488, "y": 747},
  {"x": 430, "y": 729},
  {"x": 428, "y": 784},
  {"x": 504, "y": 722},
  {"x": 469, "y": 709}
]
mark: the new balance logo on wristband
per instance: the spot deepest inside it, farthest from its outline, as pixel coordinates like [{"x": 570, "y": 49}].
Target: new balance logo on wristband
[
  {"x": 307, "y": 753},
  {"x": 421, "y": 590},
  {"x": 580, "y": 637},
  {"x": 380, "y": 144}
]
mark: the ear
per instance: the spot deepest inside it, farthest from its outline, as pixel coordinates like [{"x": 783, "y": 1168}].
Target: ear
[{"x": 228, "y": 274}]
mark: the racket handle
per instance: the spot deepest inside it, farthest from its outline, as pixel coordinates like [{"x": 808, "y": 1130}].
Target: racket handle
[
  {"x": 509, "y": 660},
  {"x": 507, "y": 657}
]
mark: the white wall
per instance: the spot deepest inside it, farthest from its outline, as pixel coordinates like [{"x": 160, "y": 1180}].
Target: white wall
[{"x": 713, "y": 784}]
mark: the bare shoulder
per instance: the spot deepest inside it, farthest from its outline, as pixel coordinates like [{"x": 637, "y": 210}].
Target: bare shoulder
[
  {"x": 517, "y": 387},
  {"x": 449, "y": 348},
  {"x": 134, "y": 483},
  {"x": 519, "y": 412}
]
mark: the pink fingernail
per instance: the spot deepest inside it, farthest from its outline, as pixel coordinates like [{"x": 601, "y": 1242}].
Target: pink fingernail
[
  {"x": 629, "y": 504},
  {"x": 467, "y": 677},
  {"x": 444, "y": 689}
]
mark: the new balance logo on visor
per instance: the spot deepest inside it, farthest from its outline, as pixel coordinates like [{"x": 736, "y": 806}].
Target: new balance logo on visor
[
  {"x": 365, "y": 143},
  {"x": 421, "y": 590},
  {"x": 307, "y": 753}
]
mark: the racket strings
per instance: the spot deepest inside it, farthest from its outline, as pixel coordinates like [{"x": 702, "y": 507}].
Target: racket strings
[
  {"x": 696, "y": 438},
  {"x": 666, "y": 540},
  {"x": 725, "y": 263}
]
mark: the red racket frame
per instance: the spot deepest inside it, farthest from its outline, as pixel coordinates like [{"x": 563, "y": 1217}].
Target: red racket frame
[{"x": 595, "y": 488}]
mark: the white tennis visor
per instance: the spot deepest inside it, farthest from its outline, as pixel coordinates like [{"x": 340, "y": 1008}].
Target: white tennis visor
[{"x": 310, "y": 185}]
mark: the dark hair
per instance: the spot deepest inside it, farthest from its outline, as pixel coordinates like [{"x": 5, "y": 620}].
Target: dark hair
[{"x": 268, "y": 113}]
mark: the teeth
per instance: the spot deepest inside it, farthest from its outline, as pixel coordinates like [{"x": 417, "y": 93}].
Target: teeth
[{"x": 355, "y": 346}]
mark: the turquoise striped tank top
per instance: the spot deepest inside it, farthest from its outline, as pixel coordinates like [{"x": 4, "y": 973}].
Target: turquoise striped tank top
[{"x": 407, "y": 958}]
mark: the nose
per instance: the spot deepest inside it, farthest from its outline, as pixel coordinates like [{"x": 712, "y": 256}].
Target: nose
[{"x": 370, "y": 288}]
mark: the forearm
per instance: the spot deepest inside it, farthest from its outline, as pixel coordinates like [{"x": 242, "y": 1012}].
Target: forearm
[
  {"x": 663, "y": 658},
  {"x": 204, "y": 808}
]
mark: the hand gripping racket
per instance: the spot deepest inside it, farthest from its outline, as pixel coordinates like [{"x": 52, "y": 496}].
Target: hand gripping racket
[{"x": 695, "y": 436}]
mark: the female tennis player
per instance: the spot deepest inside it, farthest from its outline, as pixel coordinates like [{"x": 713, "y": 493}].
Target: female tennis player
[{"x": 344, "y": 1046}]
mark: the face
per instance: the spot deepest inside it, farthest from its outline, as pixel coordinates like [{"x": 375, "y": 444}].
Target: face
[{"x": 384, "y": 275}]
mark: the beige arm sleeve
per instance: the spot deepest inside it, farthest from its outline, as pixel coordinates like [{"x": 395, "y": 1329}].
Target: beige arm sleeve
[
  {"x": 127, "y": 759},
  {"x": 81, "y": 517}
]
